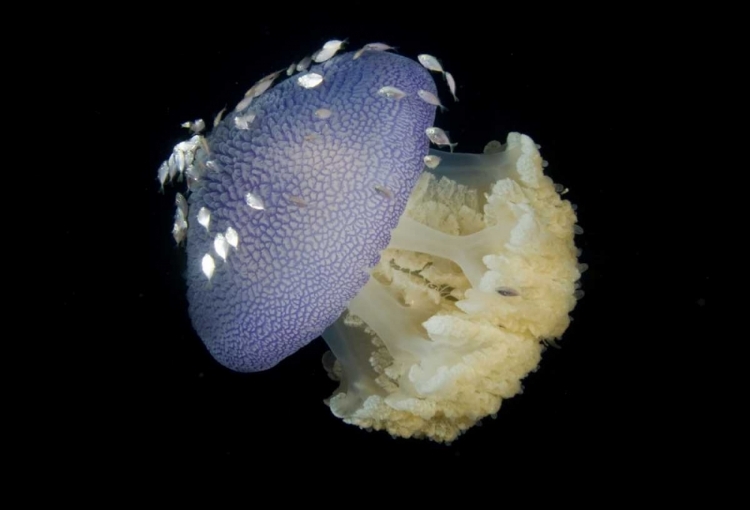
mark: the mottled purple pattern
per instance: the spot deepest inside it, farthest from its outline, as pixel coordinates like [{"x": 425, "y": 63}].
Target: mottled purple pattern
[{"x": 296, "y": 268}]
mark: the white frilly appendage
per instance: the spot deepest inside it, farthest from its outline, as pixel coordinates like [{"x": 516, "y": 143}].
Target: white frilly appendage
[{"x": 481, "y": 270}]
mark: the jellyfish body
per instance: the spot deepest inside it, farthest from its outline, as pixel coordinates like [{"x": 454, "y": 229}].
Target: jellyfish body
[{"x": 325, "y": 192}]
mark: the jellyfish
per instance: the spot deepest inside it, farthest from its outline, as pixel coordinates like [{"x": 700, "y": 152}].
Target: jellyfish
[{"x": 312, "y": 213}]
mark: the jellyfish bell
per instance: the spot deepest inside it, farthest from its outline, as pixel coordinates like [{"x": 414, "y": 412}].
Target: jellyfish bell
[
  {"x": 437, "y": 278},
  {"x": 301, "y": 190}
]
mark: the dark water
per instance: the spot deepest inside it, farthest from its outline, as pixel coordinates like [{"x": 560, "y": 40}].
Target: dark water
[{"x": 573, "y": 93}]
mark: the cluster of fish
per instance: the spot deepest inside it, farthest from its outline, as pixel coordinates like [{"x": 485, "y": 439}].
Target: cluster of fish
[
  {"x": 188, "y": 158},
  {"x": 188, "y": 161},
  {"x": 435, "y": 134},
  {"x": 191, "y": 157},
  {"x": 222, "y": 243},
  {"x": 312, "y": 80}
]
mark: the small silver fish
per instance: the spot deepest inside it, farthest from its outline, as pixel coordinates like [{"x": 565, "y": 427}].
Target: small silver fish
[
  {"x": 372, "y": 47},
  {"x": 244, "y": 121},
  {"x": 254, "y": 201},
  {"x": 204, "y": 217},
  {"x": 179, "y": 230},
  {"x": 383, "y": 191},
  {"x": 310, "y": 80},
  {"x": 376, "y": 46},
  {"x": 198, "y": 126},
  {"x": 432, "y": 161},
  {"x": 218, "y": 117},
  {"x": 203, "y": 143},
  {"x": 507, "y": 292},
  {"x": 244, "y": 103},
  {"x": 430, "y": 98},
  {"x": 179, "y": 157},
  {"x": 195, "y": 126},
  {"x": 329, "y": 50},
  {"x": 263, "y": 84},
  {"x": 187, "y": 145},
  {"x": 438, "y": 137},
  {"x": 323, "y": 113},
  {"x": 179, "y": 233},
  {"x": 172, "y": 162},
  {"x": 221, "y": 246},
  {"x": 232, "y": 238},
  {"x": 392, "y": 92},
  {"x": 304, "y": 64},
  {"x": 290, "y": 69},
  {"x": 184, "y": 153},
  {"x": 181, "y": 204},
  {"x": 192, "y": 177},
  {"x": 162, "y": 174},
  {"x": 298, "y": 201},
  {"x": 208, "y": 265},
  {"x": 430, "y": 62},
  {"x": 451, "y": 85}
]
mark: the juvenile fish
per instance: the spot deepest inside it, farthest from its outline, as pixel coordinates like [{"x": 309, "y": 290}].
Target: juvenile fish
[
  {"x": 162, "y": 174},
  {"x": 372, "y": 47},
  {"x": 451, "y": 85},
  {"x": 430, "y": 98},
  {"x": 221, "y": 246},
  {"x": 507, "y": 292},
  {"x": 179, "y": 230},
  {"x": 438, "y": 137},
  {"x": 244, "y": 121},
  {"x": 329, "y": 50},
  {"x": 244, "y": 103},
  {"x": 195, "y": 126},
  {"x": 432, "y": 161},
  {"x": 392, "y": 92},
  {"x": 430, "y": 62},
  {"x": 304, "y": 64},
  {"x": 383, "y": 191},
  {"x": 310, "y": 80},
  {"x": 232, "y": 238},
  {"x": 208, "y": 265},
  {"x": 323, "y": 113},
  {"x": 263, "y": 84},
  {"x": 254, "y": 201},
  {"x": 218, "y": 117},
  {"x": 204, "y": 217},
  {"x": 181, "y": 204}
]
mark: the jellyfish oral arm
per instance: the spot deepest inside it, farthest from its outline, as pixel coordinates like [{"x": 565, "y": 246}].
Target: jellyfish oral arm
[
  {"x": 427, "y": 349},
  {"x": 465, "y": 251}
]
